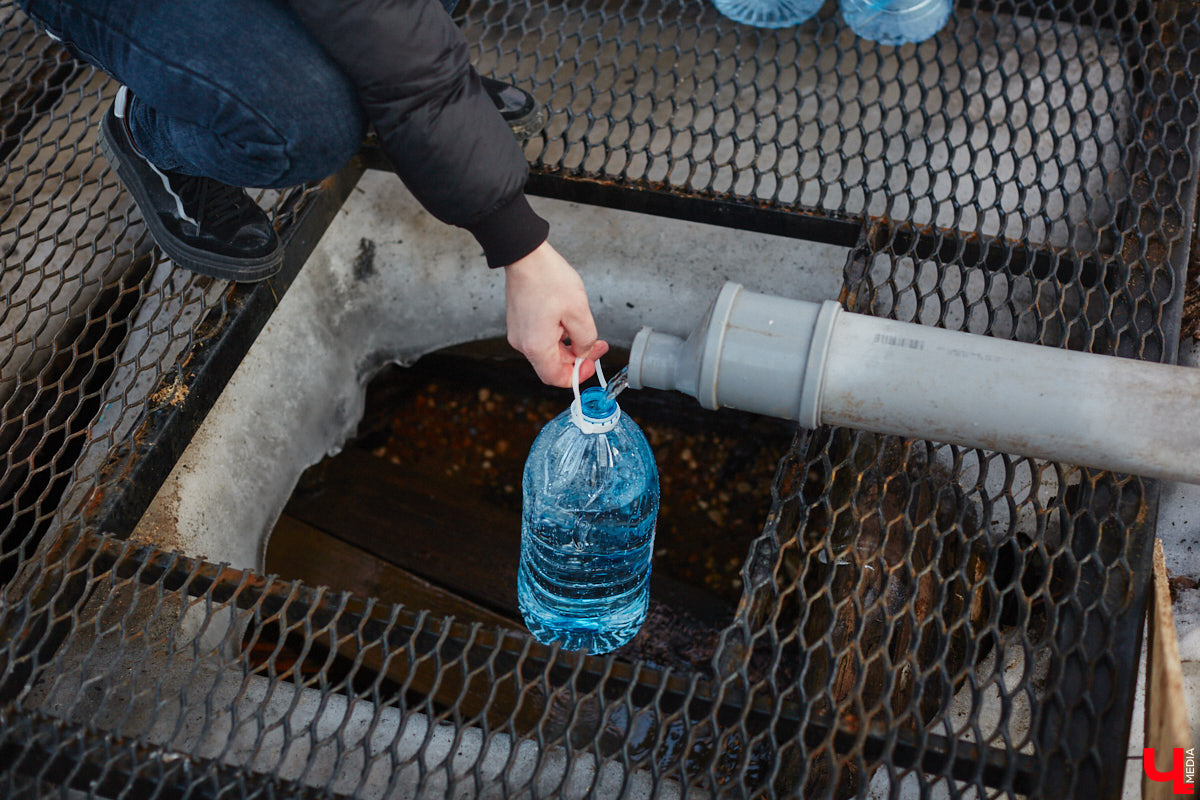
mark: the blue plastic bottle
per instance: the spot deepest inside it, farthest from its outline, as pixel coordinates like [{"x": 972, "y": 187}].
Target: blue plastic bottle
[
  {"x": 769, "y": 13},
  {"x": 896, "y": 22},
  {"x": 587, "y": 527}
]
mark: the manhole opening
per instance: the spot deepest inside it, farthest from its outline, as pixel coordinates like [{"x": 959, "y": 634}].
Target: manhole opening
[{"x": 423, "y": 506}]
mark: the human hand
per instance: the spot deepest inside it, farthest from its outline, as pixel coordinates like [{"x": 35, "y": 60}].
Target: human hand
[{"x": 547, "y": 304}]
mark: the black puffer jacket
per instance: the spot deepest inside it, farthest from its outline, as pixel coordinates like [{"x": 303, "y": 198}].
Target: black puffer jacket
[{"x": 436, "y": 124}]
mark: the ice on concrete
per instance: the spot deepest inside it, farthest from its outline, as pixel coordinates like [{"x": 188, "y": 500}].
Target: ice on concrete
[
  {"x": 1179, "y": 529},
  {"x": 185, "y": 689}
]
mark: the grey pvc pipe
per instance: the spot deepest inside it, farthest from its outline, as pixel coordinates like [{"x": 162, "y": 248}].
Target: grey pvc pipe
[
  {"x": 751, "y": 351},
  {"x": 818, "y": 364}
]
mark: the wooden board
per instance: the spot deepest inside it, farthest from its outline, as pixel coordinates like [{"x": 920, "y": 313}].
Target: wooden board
[
  {"x": 433, "y": 528},
  {"x": 1166, "y": 706},
  {"x": 298, "y": 551}
]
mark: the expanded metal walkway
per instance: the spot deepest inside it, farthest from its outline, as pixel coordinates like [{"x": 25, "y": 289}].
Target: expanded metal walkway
[{"x": 917, "y": 620}]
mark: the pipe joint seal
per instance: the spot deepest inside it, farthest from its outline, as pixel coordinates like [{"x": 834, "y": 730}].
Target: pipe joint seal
[{"x": 809, "y": 415}]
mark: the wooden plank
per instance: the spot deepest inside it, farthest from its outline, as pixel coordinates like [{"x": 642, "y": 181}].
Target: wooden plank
[
  {"x": 416, "y": 522},
  {"x": 524, "y": 706},
  {"x": 299, "y": 551},
  {"x": 1166, "y": 706},
  {"x": 436, "y": 528}
]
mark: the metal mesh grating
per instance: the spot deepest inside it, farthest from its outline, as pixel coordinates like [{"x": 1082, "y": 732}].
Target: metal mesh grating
[
  {"x": 918, "y": 619},
  {"x": 1006, "y": 124}
]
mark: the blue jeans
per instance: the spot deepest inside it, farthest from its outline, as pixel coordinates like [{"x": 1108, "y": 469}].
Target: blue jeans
[{"x": 234, "y": 90}]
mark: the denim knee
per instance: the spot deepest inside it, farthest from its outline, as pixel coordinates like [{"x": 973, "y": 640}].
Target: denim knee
[
  {"x": 282, "y": 141},
  {"x": 320, "y": 127},
  {"x": 321, "y": 145}
]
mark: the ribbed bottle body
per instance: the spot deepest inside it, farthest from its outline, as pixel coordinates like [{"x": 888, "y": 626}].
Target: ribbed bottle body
[{"x": 587, "y": 535}]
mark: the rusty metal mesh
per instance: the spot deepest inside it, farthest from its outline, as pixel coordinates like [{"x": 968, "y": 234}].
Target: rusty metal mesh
[
  {"x": 97, "y": 331},
  {"x": 918, "y": 619},
  {"x": 89, "y": 315}
]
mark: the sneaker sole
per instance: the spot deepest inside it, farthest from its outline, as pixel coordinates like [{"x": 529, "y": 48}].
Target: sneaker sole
[
  {"x": 190, "y": 258},
  {"x": 528, "y": 126}
]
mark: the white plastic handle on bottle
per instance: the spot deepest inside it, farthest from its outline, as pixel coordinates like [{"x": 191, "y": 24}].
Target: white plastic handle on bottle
[
  {"x": 575, "y": 376},
  {"x": 583, "y": 423}
]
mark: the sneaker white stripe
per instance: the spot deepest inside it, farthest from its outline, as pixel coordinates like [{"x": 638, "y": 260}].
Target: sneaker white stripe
[
  {"x": 178, "y": 201},
  {"x": 120, "y": 107}
]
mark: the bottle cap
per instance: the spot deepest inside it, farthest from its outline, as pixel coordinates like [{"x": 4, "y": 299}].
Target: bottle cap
[{"x": 586, "y": 422}]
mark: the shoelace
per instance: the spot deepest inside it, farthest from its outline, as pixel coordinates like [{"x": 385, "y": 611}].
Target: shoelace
[{"x": 215, "y": 202}]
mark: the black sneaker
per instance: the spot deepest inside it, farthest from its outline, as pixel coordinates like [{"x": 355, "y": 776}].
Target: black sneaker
[
  {"x": 201, "y": 224},
  {"x": 517, "y": 106}
]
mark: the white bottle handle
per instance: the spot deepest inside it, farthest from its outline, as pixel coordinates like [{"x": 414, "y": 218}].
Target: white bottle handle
[{"x": 575, "y": 376}]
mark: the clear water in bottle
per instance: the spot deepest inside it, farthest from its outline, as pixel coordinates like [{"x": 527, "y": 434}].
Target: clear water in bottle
[
  {"x": 587, "y": 529},
  {"x": 769, "y": 13},
  {"x": 896, "y": 22}
]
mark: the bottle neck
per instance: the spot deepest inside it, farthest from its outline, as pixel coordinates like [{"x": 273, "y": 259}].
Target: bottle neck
[{"x": 594, "y": 412}]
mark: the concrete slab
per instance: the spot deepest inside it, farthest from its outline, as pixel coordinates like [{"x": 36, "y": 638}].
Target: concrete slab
[{"x": 389, "y": 283}]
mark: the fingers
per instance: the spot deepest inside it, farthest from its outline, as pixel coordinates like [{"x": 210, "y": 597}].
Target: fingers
[
  {"x": 584, "y": 342},
  {"x": 599, "y": 350},
  {"x": 555, "y": 365},
  {"x": 542, "y": 342},
  {"x": 581, "y": 328},
  {"x": 546, "y": 303}
]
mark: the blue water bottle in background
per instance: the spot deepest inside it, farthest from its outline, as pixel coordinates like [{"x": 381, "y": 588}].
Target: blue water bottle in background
[
  {"x": 896, "y": 22},
  {"x": 769, "y": 13},
  {"x": 587, "y": 526}
]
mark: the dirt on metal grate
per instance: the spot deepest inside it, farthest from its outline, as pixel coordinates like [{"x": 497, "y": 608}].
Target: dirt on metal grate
[{"x": 1189, "y": 326}]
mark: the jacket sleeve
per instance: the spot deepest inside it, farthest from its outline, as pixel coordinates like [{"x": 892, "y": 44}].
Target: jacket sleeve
[{"x": 437, "y": 126}]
